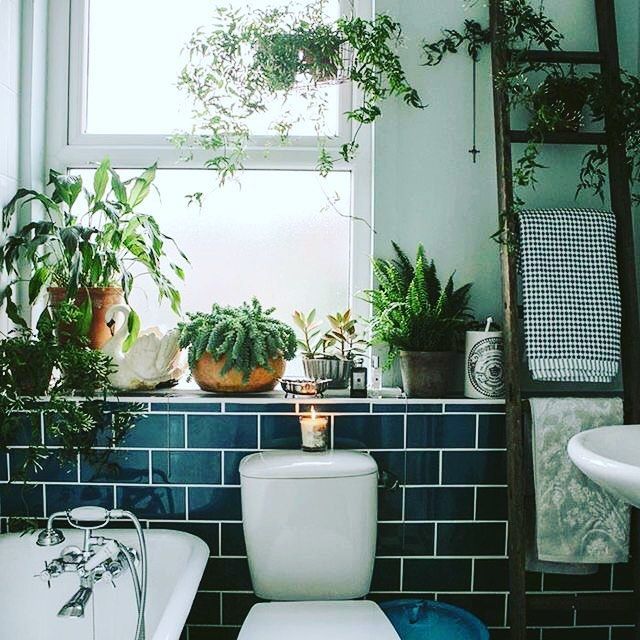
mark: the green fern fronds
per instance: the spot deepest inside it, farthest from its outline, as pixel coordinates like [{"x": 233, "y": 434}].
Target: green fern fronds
[{"x": 247, "y": 337}]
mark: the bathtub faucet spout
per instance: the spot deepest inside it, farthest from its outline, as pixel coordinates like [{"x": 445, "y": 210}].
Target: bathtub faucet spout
[{"x": 74, "y": 608}]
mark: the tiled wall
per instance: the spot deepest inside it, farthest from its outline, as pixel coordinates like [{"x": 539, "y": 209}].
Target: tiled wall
[{"x": 441, "y": 534}]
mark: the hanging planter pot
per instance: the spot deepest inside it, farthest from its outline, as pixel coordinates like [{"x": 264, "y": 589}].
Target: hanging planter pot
[{"x": 559, "y": 102}]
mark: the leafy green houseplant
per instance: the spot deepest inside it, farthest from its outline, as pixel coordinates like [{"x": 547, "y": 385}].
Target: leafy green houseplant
[
  {"x": 88, "y": 248},
  {"x": 73, "y": 401},
  {"x": 421, "y": 321},
  {"x": 249, "y": 60},
  {"x": 237, "y": 349},
  {"x": 556, "y": 102},
  {"x": 329, "y": 355}
]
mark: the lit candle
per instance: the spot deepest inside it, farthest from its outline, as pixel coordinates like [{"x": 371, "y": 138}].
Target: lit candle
[{"x": 314, "y": 432}]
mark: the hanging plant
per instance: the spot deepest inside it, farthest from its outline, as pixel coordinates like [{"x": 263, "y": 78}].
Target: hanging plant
[
  {"x": 247, "y": 61},
  {"x": 557, "y": 102}
]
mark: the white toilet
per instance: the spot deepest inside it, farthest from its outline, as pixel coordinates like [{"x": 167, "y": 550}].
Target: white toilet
[{"x": 310, "y": 529}]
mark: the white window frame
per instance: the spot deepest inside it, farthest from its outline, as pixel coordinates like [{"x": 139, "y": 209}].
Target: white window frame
[{"x": 67, "y": 144}]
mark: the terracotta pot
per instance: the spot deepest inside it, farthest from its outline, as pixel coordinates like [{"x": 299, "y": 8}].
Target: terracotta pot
[
  {"x": 207, "y": 373},
  {"x": 101, "y": 299},
  {"x": 427, "y": 374}
]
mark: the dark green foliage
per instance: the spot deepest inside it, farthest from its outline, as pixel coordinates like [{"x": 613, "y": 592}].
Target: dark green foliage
[
  {"x": 252, "y": 59},
  {"x": 555, "y": 102},
  {"x": 412, "y": 310},
  {"x": 68, "y": 384},
  {"x": 246, "y": 336},
  {"x": 93, "y": 245}
]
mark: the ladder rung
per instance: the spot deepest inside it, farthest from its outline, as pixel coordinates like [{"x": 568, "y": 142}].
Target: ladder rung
[
  {"x": 562, "y": 137},
  {"x": 569, "y": 57}
]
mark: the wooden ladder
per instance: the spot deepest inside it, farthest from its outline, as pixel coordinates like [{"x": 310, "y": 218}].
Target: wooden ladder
[{"x": 608, "y": 60}]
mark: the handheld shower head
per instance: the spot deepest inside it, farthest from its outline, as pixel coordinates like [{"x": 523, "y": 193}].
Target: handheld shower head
[
  {"x": 74, "y": 608},
  {"x": 50, "y": 537}
]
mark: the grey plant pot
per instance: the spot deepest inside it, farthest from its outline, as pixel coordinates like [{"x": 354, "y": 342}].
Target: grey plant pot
[
  {"x": 334, "y": 369},
  {"x": 427, "y": 374}
]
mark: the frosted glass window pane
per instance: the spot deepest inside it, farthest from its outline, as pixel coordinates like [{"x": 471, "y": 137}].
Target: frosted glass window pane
[
  {"x": 135, "y": 57},
  {"x": 274, "y": 237}
]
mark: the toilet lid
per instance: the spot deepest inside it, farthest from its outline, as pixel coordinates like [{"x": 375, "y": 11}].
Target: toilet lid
[{"x": 334, "y": 620}]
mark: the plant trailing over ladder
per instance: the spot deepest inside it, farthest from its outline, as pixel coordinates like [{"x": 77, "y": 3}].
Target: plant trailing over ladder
[
  {"x": 249, "y": 62},
  {"x": 556, "y": 102}
]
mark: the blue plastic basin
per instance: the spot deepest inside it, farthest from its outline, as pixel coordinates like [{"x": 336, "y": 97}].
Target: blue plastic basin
[{"x": 430, "y": 620}]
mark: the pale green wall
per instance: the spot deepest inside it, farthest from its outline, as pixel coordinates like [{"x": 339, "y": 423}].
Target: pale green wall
[{"x": 426, "y": 187}]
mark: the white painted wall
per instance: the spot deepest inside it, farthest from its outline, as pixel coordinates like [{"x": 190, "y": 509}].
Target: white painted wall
[{"x": 9, "y": 102}]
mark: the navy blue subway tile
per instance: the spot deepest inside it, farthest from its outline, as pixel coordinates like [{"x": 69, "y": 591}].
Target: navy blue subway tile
[
  {"x": 423, "y": 407},
  {"x": 232, "y": 535},
  {"x": 436, "y": 575},
  {"x": 390, "y": 505},
  {"x": 222, "y": 432},
  {"x": 226, "y": 574},
  {"x": 21, "y": 500},
  {"x": 471, "y": 539},
  {"x": 441, "y": 431},
  {"x": 157, "y": 431},
  {"x": 491, "y": 574},
  {"x": 474, "y": 467},
  {"x": 623, "y": 633},
  {"x": 392, "y": 462},
  {"x": 439, "y": 503},
  {"x": 188, "y": 407},
  {"x": 279, "y": 432},
  {"x": 267, "y": 407},
  {"x": 50, "y": 468},
  {"x": 338, "y": 407},
  {"x": 405, "y": 539},
  {"x": 622, "y": 576},
  {"x": 491, "y": 503},
  {"x": 486, "y": 606},
  {"x": 163, "y": 503},
  {"x": 61, "y": 497},
  {"x": 120, "y": 465},
  {"x": 489, "y": 407},
  {"x": 204, "y": 633},
  {"x": 396, "y": 407},
  {"x": 186, "y": 467},
  {"x": 4, "y": 468},
  {"x": 207, "y": 531},
  {"x": 576, "y": 633},
  {"x": 369, "y": 432},
  {"x": 236, "y": 606},
  {"x": 205, "y": 608},
  {"x": 423, "y": 467},
  {"x": 231, "y": 463},
  {"x": 598, "y": 581},
  {"x": 214, "y": 503},
  {"x": 386, "y": 575},
  {"x": 26, "y": 430},
  {"x": 588, "y": 616},
  {"x": 491, "y": 432}
]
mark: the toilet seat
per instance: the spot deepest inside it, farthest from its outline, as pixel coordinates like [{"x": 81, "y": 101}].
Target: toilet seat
[{"x": 313, "y": 620}]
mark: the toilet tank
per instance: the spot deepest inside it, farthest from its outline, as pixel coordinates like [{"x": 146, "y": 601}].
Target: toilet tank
[{"x": 310, "y": 523}]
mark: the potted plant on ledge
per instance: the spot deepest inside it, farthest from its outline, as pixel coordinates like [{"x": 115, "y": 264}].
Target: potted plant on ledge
[
  {"x": 330, "y": 355},
  {"x": 237, "y": 349},
  {"x": 422, "y": 322},
  {"x": 88, "y": 248}
]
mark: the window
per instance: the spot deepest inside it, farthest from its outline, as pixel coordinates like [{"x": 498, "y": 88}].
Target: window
[{"x": 286, "y": 235}]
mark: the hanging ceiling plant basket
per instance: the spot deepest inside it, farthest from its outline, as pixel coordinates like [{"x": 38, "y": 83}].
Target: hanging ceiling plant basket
[{"x": 251, "y": 62}]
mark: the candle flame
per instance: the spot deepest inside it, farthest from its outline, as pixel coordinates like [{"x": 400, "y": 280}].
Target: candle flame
[{"x": 313, "y": 413}]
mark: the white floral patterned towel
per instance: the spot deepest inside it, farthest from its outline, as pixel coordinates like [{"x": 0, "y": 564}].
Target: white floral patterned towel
[{"x": 576, "y": 521}]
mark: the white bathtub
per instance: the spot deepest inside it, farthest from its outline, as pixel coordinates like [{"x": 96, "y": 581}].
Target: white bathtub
[{"x": 28, "y": 607}]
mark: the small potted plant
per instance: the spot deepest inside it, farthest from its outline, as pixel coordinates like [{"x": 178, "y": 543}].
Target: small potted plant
[
  {"x": 422, "y": 322},
  {"x": 87, "y": 247},
  {"x": 237, "y": 349},
  {"x": 329, "y": 355}
]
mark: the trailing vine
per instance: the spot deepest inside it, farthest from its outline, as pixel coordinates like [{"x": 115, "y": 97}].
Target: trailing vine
[{"x": 249, "y": 60}]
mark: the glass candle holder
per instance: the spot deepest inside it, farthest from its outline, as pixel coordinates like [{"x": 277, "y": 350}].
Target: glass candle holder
[{"x": 315, "y": 434}]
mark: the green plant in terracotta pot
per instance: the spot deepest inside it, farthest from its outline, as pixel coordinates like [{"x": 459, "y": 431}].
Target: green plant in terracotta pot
[
  {"x": 87, "y": 248},
  {"x": 422, "y": 322},
  {"x": 329, "y": 355},
  {"x": 237, "y": 349}
]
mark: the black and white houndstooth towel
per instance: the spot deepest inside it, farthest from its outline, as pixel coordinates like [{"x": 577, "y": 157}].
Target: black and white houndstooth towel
[{"x": 570, "y": 294}]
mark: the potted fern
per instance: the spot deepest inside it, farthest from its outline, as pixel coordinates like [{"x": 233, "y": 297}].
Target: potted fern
[
  {"x": 237, "y": 349},
  {"x": 422, "y": 322},
  {"x": 329, "y": 355},
  {"x": 87, "y": 248}
]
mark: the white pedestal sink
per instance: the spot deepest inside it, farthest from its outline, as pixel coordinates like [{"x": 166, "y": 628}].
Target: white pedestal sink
[{"x": 610, "y": 456}]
